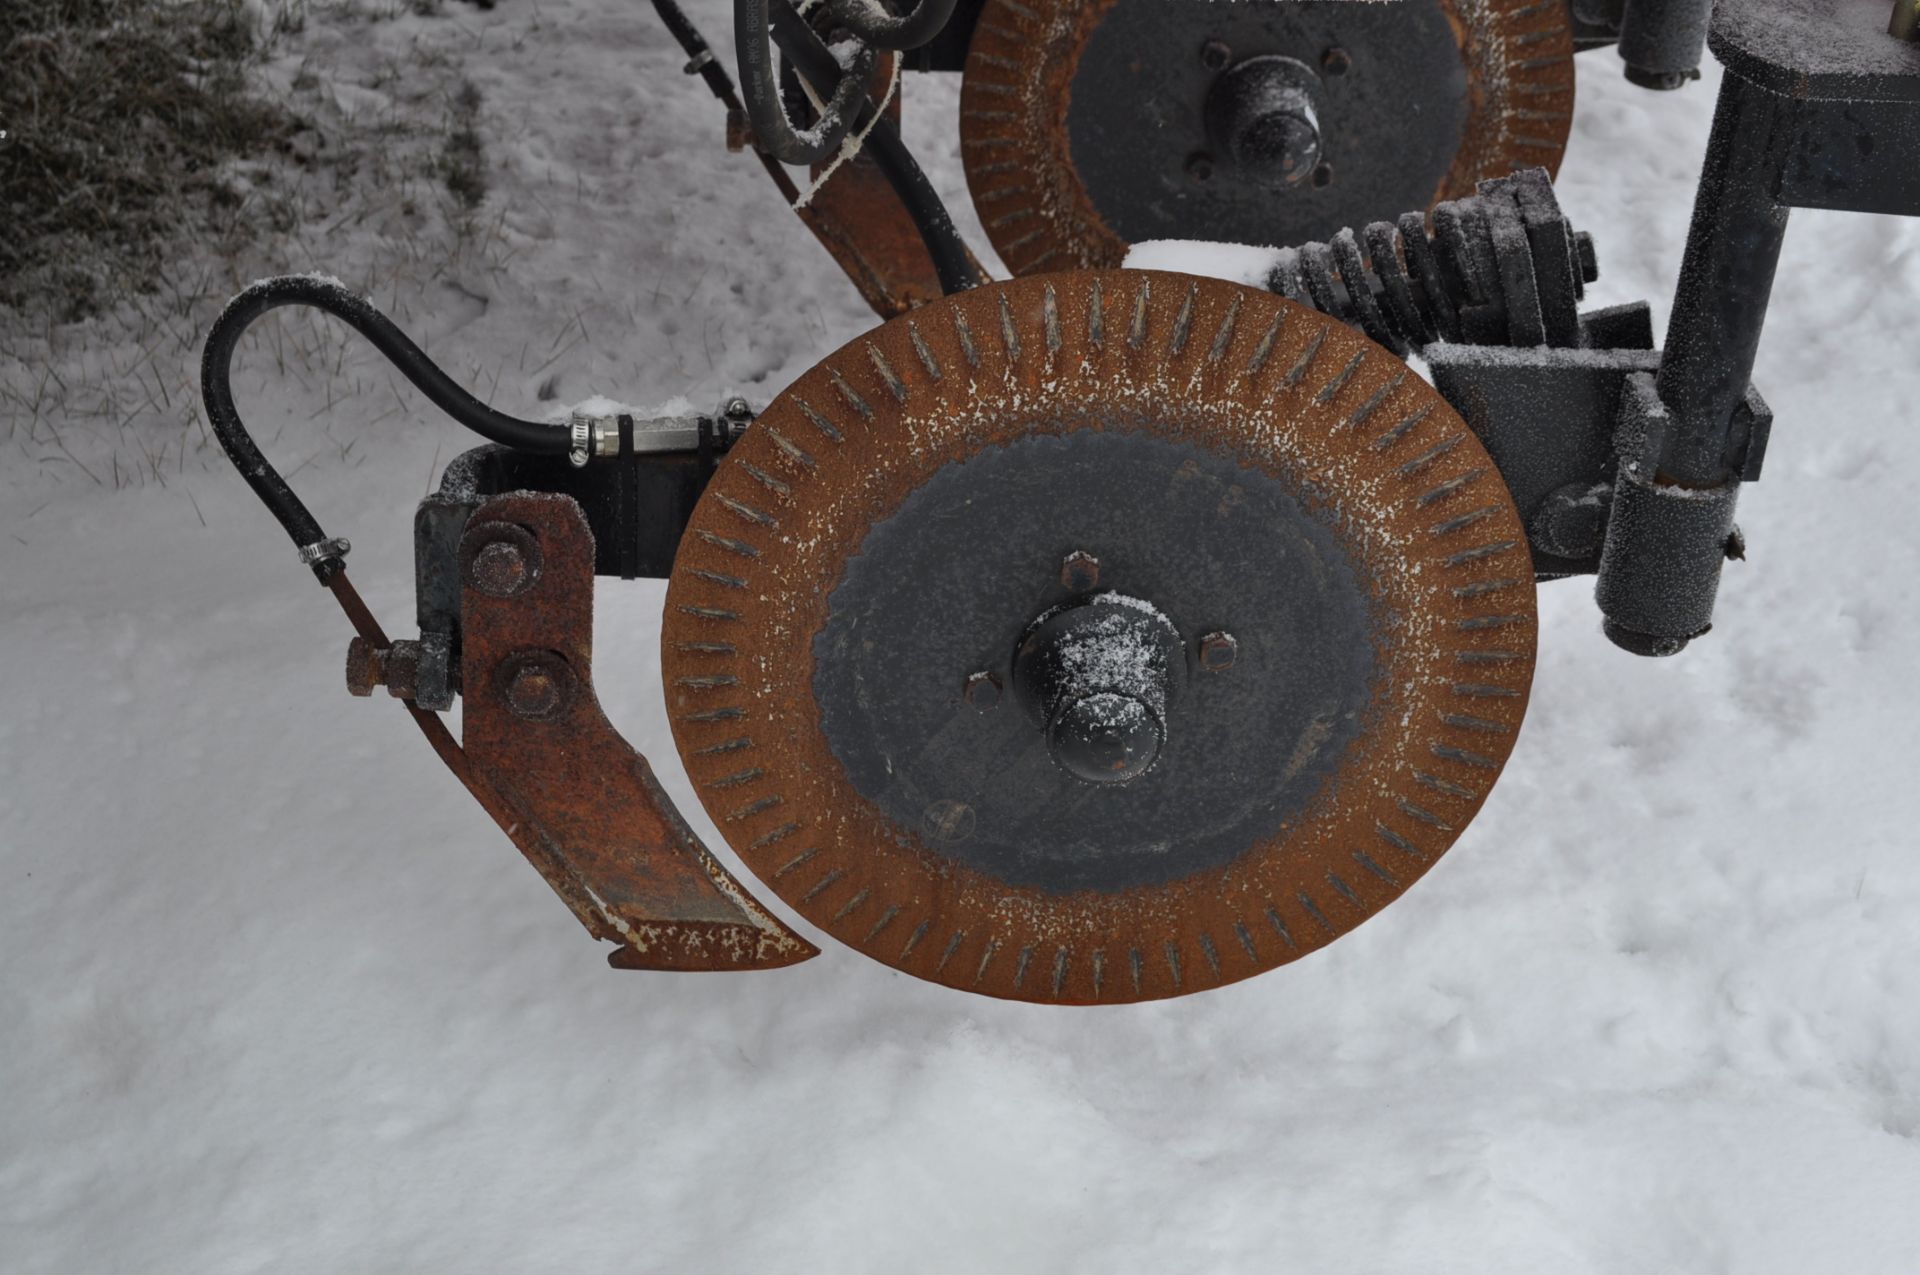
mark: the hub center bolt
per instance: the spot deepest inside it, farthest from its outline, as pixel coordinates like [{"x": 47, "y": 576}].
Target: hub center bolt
[{"x": 1094, "y": 676}]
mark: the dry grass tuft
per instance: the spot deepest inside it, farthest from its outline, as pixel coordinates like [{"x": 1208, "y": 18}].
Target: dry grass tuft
[{"x": 118, "y": 115}]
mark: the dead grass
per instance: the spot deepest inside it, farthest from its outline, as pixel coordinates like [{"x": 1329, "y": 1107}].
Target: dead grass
[
  {"x": 463, "y": 160},
  {"x": 388, "y": 194},
  {"x": 118, "y": 117}
]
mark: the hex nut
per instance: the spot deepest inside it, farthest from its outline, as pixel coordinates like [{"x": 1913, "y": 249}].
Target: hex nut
[
  {"x": 401, "y": 668},
  {"x": 1218, "y": 651},
  {"x": 982, "y": 691},
  {"x": 1080, "y": 572}
]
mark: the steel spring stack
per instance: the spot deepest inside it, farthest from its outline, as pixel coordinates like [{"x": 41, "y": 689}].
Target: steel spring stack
[{"x": 1500, "y": 267}]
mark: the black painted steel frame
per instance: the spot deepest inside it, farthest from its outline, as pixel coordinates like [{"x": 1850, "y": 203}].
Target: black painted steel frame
[{"x": 1819, "y": 108}]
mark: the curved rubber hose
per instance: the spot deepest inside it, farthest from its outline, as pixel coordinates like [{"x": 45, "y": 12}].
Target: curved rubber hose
[
  {"x": 773, "y": 132},
  {"x": 871, "y": 22},
  {"x": 322, "y": 293}
]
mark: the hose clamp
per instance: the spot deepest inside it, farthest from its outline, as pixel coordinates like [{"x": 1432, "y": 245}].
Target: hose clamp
[{"x": 320, "y": 550}]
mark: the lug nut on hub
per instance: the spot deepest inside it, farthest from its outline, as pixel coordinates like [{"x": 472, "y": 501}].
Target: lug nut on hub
[
  {"x": 1218, "y": 651},
  {"x": 1080, "y": 572},
  {"x": 982, "y": 691}
]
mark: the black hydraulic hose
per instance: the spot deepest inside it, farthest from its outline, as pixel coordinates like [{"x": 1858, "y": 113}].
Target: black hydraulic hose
[
  {"x": 760, "y": 85},
  {"x": 812, "y": 59},
  {"x": 871, "y": 22},
  {"x": 322, "y": 293},
  {"x": 700, "y": 59},
  {"x": 699, "y": 56}
]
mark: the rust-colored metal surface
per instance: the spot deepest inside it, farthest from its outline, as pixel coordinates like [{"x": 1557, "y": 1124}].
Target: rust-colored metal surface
[
  {"x": 1398, "y": 480},
  {"x": 1517, "y": 56},
  {"x": 580, "y": 803},
  {"x": 853, "y": 211}
]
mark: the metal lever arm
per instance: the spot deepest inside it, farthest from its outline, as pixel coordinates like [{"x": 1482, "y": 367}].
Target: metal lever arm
[{"x": 585, "y": 807}]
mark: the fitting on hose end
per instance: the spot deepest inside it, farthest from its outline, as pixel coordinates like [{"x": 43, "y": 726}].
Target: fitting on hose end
[{"x": 1665, "y": 544}]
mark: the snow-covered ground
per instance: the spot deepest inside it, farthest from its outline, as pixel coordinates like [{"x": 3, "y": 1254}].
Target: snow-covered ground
[{"x": 277, "y": 996}]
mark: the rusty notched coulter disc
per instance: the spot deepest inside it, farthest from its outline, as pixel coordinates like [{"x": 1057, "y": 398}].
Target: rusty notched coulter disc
[
  {"x": 1087, "y": 125},
  {"x": 852, "y": 589}
]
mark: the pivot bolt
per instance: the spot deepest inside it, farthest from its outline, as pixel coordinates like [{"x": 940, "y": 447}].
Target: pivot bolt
[
  {"x": 502, "y": 558},
  {"x": 1336, "y": 61},
  {"x": 500, "y": 570},
  {"x": 1214, "y": 55},
  {"x": 982, "y": 691},
  {"x": 538, "y": 684},
  {"x": 1218, "y": 651},
  {"x": 1080, "y": 572},
  {"x": 533, "y": 692},
  {"x": 1200, "y": 166}
]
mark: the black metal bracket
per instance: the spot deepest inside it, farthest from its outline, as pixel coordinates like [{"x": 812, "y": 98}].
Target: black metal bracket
[{"x": 636, "y": 503}]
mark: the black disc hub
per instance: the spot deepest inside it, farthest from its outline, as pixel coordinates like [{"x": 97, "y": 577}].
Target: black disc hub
[
  {"x": 1343, "y": 109},
  {"x": 993, "y": 678},
  {"x": 1264, "y": 116},
  {"x": 1095, "y": 676}
]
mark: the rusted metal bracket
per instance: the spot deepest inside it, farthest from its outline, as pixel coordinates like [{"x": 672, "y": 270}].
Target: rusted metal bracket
[
  {"x": 854, "y": 213},
  {"x": 581, "y": 804}
]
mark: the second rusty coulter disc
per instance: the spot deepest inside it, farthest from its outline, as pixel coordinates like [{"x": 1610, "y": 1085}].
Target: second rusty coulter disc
[
  {"x": 1089, "y": 125},
  {"x": 1288, "y": 685}
]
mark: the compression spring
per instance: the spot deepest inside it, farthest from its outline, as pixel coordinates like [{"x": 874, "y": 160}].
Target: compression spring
[{"x": 1499, "y": 267}]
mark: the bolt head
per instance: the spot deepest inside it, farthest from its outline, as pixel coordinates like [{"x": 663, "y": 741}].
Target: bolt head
[
  {"x": 1336, "y": 61},
  {"x": 1200, "y": 166},
  {"x": 982, "y": 691},
  {"x": 535, "y": 691},
  {"x": 1080, "y": 572},
  {"x": 1214, "y": 55},
  {"x": 500, "y": 569},
  {"x": 366, "y": 667},
  {"x": 1218, "y": 652}
]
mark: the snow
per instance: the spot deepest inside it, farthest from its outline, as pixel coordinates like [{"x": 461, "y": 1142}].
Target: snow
[
  {"x": 1250, "y": 264},
  {"x": 278, "y": 996}
]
